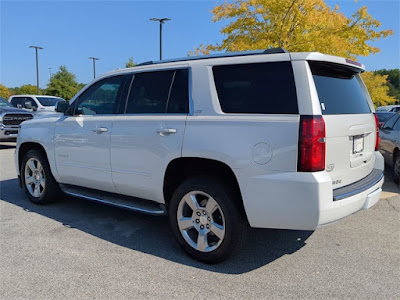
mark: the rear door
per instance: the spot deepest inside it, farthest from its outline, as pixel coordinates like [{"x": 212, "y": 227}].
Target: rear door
[
  {"x": 150, "y": 133},
  {"x": 349, "y": 122}
]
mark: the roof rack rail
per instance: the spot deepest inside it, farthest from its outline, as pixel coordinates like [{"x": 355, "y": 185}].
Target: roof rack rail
[{"x": 218, "y": 55}]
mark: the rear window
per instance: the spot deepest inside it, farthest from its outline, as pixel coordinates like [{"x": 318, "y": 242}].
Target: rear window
[
  {"x": 260, "y": 88},
  {"x": 338, "y": 90}
]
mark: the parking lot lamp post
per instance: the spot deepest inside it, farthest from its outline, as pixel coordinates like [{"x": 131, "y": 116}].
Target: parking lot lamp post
[
  {"x": 162, "y": 21},
  {"x": 50, "y": 72},
  {"x": 94, "y": 65},
  {"x": 37, "y": 67}
]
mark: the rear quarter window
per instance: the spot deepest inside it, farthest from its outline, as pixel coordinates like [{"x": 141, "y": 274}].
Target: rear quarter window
[
  {"x": 339, "y": 91},
  {"x": 259, "y": 88}
]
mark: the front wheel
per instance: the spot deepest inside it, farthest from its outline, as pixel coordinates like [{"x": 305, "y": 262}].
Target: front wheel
[
  {"x": 206, "y": 219},
  {"x": 37, "y": 180}
]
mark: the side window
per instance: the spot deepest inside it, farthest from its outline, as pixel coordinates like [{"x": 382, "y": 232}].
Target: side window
[
  {"x": 159, "y": 92},
  {"x": 101, "y": 98},
  {"x": 178, "y": 101},
  {"x": 390, "y": 123},
  {"x": 17, "y": 102},
  {"x": 397, "y": 125},
  {"x": 259, "y": 88}
]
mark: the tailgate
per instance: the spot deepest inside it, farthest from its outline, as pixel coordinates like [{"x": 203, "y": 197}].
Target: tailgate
[{"x": 349, "y": 122}]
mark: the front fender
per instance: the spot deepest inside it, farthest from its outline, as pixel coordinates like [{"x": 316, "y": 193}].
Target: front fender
[{"x": 42, "y": 136}]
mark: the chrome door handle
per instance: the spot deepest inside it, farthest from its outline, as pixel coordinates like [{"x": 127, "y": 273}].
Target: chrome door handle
[
  {"x": 166, "y": 131},
  {"x": 100, "y": 129}
]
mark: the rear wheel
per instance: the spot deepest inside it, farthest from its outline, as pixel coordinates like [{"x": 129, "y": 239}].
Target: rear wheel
[
  {"x": 206, "y": 219},
  {"x": 37, "y": 180},
  {"x": 396, "y": 168}
]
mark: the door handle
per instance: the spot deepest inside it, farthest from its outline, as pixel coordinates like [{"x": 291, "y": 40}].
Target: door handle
[
  {"x": 100, "y": 129},
  {"x": 166, "y": 131}
]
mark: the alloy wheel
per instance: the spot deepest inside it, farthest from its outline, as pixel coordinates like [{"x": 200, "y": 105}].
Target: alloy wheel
[
  {"x": 201, "y": 221},
  {"x": 35, "y": 181}
]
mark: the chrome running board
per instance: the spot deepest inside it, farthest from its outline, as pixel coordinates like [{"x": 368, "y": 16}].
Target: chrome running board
[{"x": 131, "y": 203}]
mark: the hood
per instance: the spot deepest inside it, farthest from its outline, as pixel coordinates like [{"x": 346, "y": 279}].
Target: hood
[{"x": 12, "y": 110}]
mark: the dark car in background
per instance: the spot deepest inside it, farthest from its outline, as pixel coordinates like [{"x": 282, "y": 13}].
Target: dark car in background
[
  {"x": 389, "y": 144},
  {"x": 383, "y": 116},
  {"x": 10, "y": 120}
]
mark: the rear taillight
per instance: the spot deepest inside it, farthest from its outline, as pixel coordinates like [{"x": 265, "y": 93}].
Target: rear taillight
[
  {"x": 377, "y": 132},
  {"x": 311, "y": 144}
]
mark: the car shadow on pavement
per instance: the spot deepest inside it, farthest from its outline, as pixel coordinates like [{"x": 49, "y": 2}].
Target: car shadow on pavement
[
  {"x": 152, "y": 235},
  {"x": 390, "y": 186},
  {"x": 6, "y": 146}
]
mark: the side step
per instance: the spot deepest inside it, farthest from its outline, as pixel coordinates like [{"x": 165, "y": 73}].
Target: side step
[{"x": 136, "y": 204}]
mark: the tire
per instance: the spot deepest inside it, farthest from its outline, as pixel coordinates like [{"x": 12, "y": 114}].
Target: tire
[
  {"x": 37, "y": 180},
  {"x": 396, "y": 169},
  {"x": 207, "y": 220}
]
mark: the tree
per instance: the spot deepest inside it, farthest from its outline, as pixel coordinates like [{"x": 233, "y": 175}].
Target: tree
[
  {"x": 4, "y": 92},
  {"x": 393, "y": 81},
  {"x": 63, "y": 84},
  {"x": 378, "y": 88},
  {"x": 130, "y": 63},
  {"x": 296, "y": 25},
  {"x": 28, "y": 89}
]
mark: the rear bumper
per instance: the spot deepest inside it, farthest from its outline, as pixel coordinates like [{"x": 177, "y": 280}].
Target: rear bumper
[
  {"x": 336, "y": 210},
  {"x": 305, "y": 201}
]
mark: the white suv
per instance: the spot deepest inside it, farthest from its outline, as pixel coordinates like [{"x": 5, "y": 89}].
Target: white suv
[{"x": 264, "y": 139}]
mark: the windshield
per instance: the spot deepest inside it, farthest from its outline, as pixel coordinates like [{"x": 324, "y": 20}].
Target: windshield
[
  {"x": 4, "y": 103},
  {"x": 47, "y": 101}
]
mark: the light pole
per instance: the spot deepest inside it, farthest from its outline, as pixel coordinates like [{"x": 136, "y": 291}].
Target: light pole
[
  {"x": 50, "y": 73},
  {"x": 162, "y": 21},
  {"x": 37, "y": 67},
  {"x": 94, "y": 65}
]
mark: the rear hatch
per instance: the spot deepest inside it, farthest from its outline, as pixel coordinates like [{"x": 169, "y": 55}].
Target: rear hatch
[{"x": 349, "y": 122}]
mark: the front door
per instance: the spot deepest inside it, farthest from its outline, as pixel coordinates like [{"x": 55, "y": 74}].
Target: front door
[{"x": 82, "y": 140}]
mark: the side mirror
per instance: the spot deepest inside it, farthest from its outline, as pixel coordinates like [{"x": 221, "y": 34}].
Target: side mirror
[
  {"x": 62, "y": 106},
  {"x": 28, "y": 105}
]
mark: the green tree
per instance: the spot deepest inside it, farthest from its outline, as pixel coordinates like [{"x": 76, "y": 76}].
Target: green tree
[
  {"x": 63, "y": 84},
  {"x": 27, "y": 89},
  {"x": 130, "y": 63},
  {"x": 296, "y": 25},
  {"x": 4, "y": 92},
  {"x": 393, "y": 82}
]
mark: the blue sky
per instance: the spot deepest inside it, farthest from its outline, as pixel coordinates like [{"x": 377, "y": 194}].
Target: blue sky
[{"x": 72, "y": 31}]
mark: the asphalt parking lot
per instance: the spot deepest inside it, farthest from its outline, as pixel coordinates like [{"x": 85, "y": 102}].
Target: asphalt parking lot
[{"x": 80, "y": 250}]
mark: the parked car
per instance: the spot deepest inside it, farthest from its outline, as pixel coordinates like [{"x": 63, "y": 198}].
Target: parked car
[
  {"x": 36, "y": 104},
  {"x": 383, "y": 116},
  {"x": 389, "y": 144},
  {"x": 266, "y": 139},
  {"x": 10, "y": 120},
  {"x": 391, "y": 108}
]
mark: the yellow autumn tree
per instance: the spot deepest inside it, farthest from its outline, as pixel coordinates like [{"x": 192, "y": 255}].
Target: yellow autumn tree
[
  {"x": 296, "y": 25},
  {"x": 301, "y": 26},
  {"x": 4, "y": 92},
  {"x": 378, "y": 89}
]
